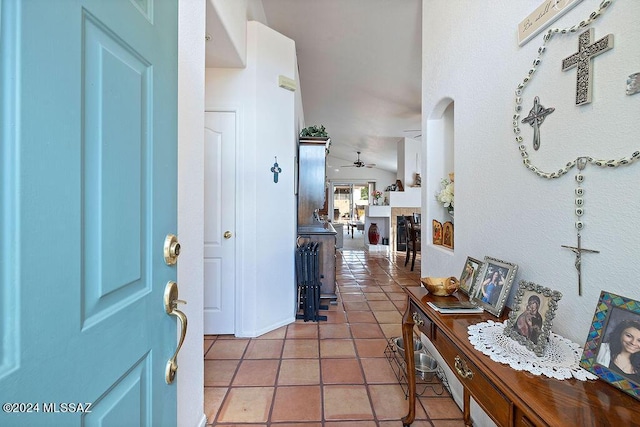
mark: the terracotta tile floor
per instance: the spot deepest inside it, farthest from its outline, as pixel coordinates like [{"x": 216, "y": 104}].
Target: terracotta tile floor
[{"x": 329, "y": 373}]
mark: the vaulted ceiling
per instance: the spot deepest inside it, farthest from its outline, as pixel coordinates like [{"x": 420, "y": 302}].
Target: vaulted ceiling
[{"x": 360, "y": 71}]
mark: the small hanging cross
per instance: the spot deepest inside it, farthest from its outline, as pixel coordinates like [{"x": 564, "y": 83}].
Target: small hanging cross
[
  {"x": 535, "y": 118},
  {"x": 276, "y": 170},
  {"x": 578, "y": 251},
  {"x": 582, "y": 60}
]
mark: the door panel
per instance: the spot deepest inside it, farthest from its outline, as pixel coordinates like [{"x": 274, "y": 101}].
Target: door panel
[
  {"x": 115, "y": 214},
  {"x": 89, "y": 129},
  {"x": 219, "y": 213}
]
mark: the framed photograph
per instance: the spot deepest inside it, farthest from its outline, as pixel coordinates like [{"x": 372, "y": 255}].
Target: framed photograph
[
  {"x": 530, "y": 321},
  {"x": 492, "y": 286},
  {"x": 437, "y": 232},
  {"x": 447, "y": 234},
  {"x": 612, "y": 350},
  {"x": 469, "y": 275}
]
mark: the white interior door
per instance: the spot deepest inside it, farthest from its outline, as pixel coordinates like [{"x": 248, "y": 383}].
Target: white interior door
[{"x": 219, "y": 223}]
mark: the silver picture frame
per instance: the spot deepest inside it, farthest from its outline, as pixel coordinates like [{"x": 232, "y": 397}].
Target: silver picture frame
[
  {"x": 469, "y": 275},
  {"x": 532, "y": 315},
  {"x": 493, "y": 284}
]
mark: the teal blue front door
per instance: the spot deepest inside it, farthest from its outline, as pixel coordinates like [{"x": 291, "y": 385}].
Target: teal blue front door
[{"x": 88, "y": 126}]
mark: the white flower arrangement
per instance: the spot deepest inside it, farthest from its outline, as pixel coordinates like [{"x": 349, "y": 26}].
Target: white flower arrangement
[{"x": 446, "y": 194}]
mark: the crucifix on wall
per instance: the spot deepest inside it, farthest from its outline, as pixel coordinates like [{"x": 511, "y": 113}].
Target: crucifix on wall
[
  {"x": 578, "y": 250},
  {"x": 582, "y": 60},
  {"x": 535, "y": 118},
  {"x": 276, "y": 169}
]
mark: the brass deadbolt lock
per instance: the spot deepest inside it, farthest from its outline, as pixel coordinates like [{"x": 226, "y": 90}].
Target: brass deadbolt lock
[{"x": 171, "y": 249}]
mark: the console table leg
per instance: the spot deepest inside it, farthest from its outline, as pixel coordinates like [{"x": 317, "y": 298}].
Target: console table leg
[
  {"x": 466, "y": 408},
  {"x": 407, "y": 338}
]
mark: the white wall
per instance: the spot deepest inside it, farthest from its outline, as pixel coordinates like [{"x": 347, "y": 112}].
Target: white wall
[
  {"x": 266, "y": 228},
  {"x": 190, "y": 376},
  {"x": 409, "y": 160},
  {"x": 226, "y": 22},
  {"x": 503, "y": 210}
]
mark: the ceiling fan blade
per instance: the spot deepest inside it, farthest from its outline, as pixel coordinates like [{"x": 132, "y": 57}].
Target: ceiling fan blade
[{"x": 370, "y": 165}]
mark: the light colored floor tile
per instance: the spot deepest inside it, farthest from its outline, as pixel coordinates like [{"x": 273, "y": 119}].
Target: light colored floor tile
[
  {"x": 264, "y": 349},
  {"x": 346, "y": 402},
  {"x": 297, "y": 403},
  {"x": 257, "y": 373},
  {"x": 213, "y": 397},
  {"x": 227, "y": 349},
  {"x": 296, "y": 349},
  {"x": 388, "y": 317},
  {"x": 373, "y": 347},
  {"x": 337, "y": 348},
  {"x": 299, "y": 372},
  {"x": 246, "y": 405},
  {"x": 218, "y": 373},
  {"x": 334, "y": 330},
  {"x": 378, "y": 371},
  {"x": 341, "y": 371}
]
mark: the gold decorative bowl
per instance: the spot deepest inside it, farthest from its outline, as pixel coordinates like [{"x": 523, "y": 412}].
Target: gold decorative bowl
[{"x": 441, "y": 286}]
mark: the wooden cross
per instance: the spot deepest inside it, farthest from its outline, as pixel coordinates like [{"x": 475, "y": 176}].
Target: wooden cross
[
  {"x": 276, "y": 170},
  {"x": 535, "y": 118},
  {"x": 578, "y": 251},
  {"x": 582, "y": 60}
]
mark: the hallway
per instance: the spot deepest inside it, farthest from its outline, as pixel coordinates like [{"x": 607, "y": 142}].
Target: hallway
[{"x": 331, "y": 373}]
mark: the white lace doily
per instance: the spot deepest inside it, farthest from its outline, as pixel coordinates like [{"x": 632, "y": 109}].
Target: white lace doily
[{"x": 560, "y": 360}]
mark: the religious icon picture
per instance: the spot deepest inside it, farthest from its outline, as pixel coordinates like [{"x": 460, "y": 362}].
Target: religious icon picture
[
  {"x": 530, "y": 320},
  {"x": 447, "y": 235},
  {"x": 612, "y": 349},
  {"x": 492, "y": 286},
  {"x": 469, "y": 275},
  {"x": 437, "y": 232}
]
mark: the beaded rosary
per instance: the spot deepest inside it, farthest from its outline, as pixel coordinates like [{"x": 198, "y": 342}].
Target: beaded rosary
[{"x": 581, "y": 60}]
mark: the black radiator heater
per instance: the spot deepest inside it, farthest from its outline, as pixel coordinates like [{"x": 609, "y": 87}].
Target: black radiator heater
[{"x": 308, "y": 282}]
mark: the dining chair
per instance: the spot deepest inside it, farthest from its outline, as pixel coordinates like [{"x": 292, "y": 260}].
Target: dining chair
[{"x": 413, "y": 240}]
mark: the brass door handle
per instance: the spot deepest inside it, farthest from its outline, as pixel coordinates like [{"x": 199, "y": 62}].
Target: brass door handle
[
  {"x": 462, "y": 368},
  {"x": 170, "y": 306},
  {"x": 227, "y": 234}
]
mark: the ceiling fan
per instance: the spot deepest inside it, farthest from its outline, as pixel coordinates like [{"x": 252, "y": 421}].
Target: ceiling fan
[{"x": 359, "y": 163}]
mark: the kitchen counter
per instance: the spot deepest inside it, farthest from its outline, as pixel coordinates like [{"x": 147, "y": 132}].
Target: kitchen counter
[{"x": 320, "y": 228}]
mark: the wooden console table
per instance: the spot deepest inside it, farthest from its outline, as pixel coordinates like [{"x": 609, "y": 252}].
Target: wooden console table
[{"x": 509, "y": 397}]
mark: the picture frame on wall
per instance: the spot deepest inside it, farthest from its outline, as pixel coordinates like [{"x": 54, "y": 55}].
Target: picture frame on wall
[
  {"x": 612, "y": 349},
  {"x": 437, "y": 232},
  {"x": 469, "y": 275},
  {"x": 447, "y": 235},
  {"x": 531, "y": 317},
  {"x": 493, "y": 284}
]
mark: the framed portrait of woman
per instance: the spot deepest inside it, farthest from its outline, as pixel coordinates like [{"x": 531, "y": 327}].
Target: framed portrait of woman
[
  {"x": 469, "y": 275},
  {"x": 492, "y": 286},
  {"x": 530, "y": 319},
  {"x": 612, "y": 349}
]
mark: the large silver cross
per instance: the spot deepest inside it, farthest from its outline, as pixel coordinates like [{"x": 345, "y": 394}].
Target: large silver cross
[
  {"x": 535, "y": 118},
  {"x": 582, "y": 59},
  {"x": 578, "y": 251}
]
